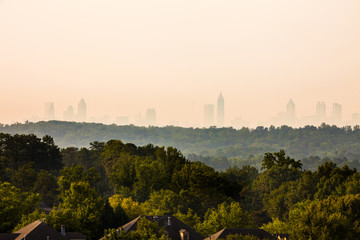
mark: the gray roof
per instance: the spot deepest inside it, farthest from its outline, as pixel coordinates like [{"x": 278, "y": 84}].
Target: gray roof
[
  {"x": 75, "y": 235},
  {"x": 171, "y": 225},
  {"x": 8, "y": 236},
  {"x": 38, "y": 230},
  {"x": 34, "y": 231}
]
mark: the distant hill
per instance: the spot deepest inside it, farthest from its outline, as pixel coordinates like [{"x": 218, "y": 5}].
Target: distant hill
[{"x": 219, "y": 147}]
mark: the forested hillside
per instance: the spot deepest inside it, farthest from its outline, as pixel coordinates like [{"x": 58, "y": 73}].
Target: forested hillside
[
  {"x": 104, "y": 186},
  {"x": 217, "y": 147}
]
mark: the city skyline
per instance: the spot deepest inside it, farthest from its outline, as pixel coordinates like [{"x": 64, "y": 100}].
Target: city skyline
[
  {"x": 210, "y": 116},
  {"x": 126, "y": 57}
]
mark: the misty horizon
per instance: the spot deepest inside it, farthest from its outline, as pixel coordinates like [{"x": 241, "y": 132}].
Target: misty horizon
[
  {"x": 287, "y": 117},
  {"x": 174, "y": 57}
]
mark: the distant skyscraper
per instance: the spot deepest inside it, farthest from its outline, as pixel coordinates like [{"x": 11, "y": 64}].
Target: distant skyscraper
[
  {"x": 49, "y": 111},
  {"x": 290, "y": 110},
  {"x": 69, "y": 114},
  {"x": 208, "y": 115},
  {"x": 220, "y": 111},
  {"x": 82, "y": 115},
  {"x": 355, "y": 118},
  {"x": 337, "y": 112},
  {"x": 320, "y": 111},
  {"x": 151, "y": 117}
]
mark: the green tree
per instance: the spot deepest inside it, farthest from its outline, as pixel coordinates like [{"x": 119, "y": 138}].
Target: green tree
[
  {"x": 244, "y": 176},
  {"x": 132, "y": 208},
  {"x": 14, "y": 204},
  {"x": 350, "y": 186},
  {"x": 162, "y": 202},
  {"x": 121, "y": 171},
  {"x": 205, "y": 184},
  {"x": 76, "y": 173},
  {"x": 279, "y": 170},
  {"x": 330, "y": 218},
  {"x": 19, "y": 150},
  {"x": 190, "y": 218},
  {"x": 276, "y": 226},
  {"x": 241, "y": 237},
  {"x": 279, "y": 159},
  {"x": 81, "y": 209},
  {"x": 24, "y": 177},
  {"x": 330, "y": 177},
  {"x": 46, "y": 186},
  {"x": 279, "y": 201},
  {"x": 224, "y": 216},
  {"x": 150, "y": 176}
]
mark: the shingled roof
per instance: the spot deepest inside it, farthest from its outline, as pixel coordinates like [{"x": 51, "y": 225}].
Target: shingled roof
[
  {"x": 8, "y": 236},
  {"x": 171, "y": 224},
  {"x": 260, "y": 233},
  {"x": 34, "y": 231}
]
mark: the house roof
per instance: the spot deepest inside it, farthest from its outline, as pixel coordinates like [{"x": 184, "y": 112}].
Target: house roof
[
  {"x": 35, "y": 231},
  {"x": 8, "y": 236},
  {"x": 260, "y": 233},
  {"x": 75, "y": 235},
  {"x": 39, "y": 230},
  {"x": 171, "y": 225},
  {"x": 130, "y": 226}
]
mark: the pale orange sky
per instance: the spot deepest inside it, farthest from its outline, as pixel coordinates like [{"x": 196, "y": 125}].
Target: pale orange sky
[{"x": 175, "y": 56}]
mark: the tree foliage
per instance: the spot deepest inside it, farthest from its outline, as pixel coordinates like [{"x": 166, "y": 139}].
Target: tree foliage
[
  {"x": 330, "y": 218},
  {"x": 14, "y": 204},
  {"x": 224, "y": 216},
  {"x": 110, "y": 183}
]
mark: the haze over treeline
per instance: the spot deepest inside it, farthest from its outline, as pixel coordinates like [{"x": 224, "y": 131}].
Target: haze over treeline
[{"x": 218, "y": 147}]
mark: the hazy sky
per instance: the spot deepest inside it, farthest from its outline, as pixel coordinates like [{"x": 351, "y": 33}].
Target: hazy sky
[{"x": 175, "y": 56}]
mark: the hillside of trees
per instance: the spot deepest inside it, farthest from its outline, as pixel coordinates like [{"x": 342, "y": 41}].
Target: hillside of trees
[
  {"x": 219, "y": 148},
  {"x": 109, "y": 183}
]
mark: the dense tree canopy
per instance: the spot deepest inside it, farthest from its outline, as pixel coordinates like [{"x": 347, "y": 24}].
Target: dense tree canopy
[
  {"x": 110, "y": 183},
  {"x": 14, "y": 204},
  {"x": 217, "y": 147}
]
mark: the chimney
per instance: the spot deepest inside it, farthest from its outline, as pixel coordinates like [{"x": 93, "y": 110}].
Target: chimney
[
  {"x": 169, "y": 221},
  {"x": 63, "y": 230}
]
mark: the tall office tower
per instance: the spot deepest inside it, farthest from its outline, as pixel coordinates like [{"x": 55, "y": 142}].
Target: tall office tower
[
  {"x": 220, "y": 111},
  {"x": 290, "y": 110},
  {"x": 208, "y": 115},
  {"x": 320, "y": 111},
  {"x": 81, "y": 115},
  {"x": 49, "y": 111},
  {"x": 151, "y": 117},
  {"x": 69, "y": 114},
  {"x": 336, "y": 114},
  {"x": 355, "y": 118}
]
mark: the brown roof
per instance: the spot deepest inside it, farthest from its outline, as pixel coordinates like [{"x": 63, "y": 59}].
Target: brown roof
[
  {"x": 130, "y": 226},
  {"x": 38, "y": 230},
  {"x": 260, "y": 233}
]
